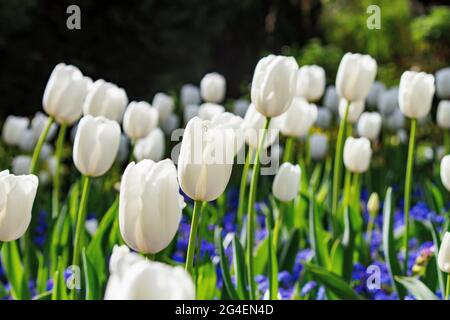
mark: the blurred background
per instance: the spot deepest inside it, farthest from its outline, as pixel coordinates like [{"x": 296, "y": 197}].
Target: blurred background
[{"x": 146, "y": 46}]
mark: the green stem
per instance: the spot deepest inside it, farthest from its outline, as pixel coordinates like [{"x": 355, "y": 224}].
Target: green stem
[
  {"x": 193, "y": 236},
  {"x": 447, "y": 290},
  {"x": 347, "y": 187},
  {"x": 408, "y": 183},
  {"x": 370, "y": 226},
  {"x": 251, "y": 213},
  {"x": 56, "y": 181},
  {"x": 289, "y": 148},
  {"x": 39, "y": 144},
  {"x": 243, "y": 185},
  {"x": 278, "y": 225}
]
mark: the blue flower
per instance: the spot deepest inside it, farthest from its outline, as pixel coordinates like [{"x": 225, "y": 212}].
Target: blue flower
[{"x": 308, "y": 287}]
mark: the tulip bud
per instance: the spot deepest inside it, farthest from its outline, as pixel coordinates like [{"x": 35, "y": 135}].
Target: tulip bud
[
  {"x": 388, "y": 101},
  {"x": 151, "y": 147},
  {"x": 240, "y": 107},
  {"x": 96, "y": 145},
  {"x": 13, "y": 129},
  {"x": 355, "y": 76},
  {"x": 318, "y": 144},
  {"x": 190, "y": 111},
  {"x": 445, "y": 171},
  {"x": 286, "y": 183},
  {"x": 443, "y": 114},
  {"x": 444, "y": 254},
  {"x": 65, "y": 93},
  {"x": 132, "y": 277},
  {"x": 311, "y": 82},
  {"x": 331, "y": 99},
  {"x": 170, "y": 123},
  {"x": 164, "y": 104},
  {"x": 323, "y": 118},
  {"x": 27, "y": 141},
  {"x": 354, "y": 111},
  {"x": 206, "y": 159},
  {"x": 17, "y": 193},
  {"x": 357, "y": 153},
  {"x": 190, "y": 94},
  {"x": 375, "y": 92},
  {"x": 107, "y": 100},
  {"x": 139, "y": 119},
  {"x": 208, "y": 111},
  {"x": 274, "y": 84},
  {"x": 212, "y": 87},
  {"x": 21, "y": 165},
  {"x": 298, "y": 119},
  {"x": 373, "y": 205},
  {"x": 253, "y": 127},
  {"x": 443, "y": 83},
  {"x": 38, "y": 124},
  {"x": 369, "y": 125},
  {"x": 150, "y": 205},
  {"x": 416, "y": 94}
]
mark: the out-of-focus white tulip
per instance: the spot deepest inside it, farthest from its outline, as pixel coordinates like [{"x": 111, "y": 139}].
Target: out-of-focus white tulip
[
  {"x": 253, "y": 125},
  {"x": 164, "y": 104},
  {"x": 395, "y": 121},
  {"x": 323, "y": 118},
  {"x": 132, "y": 277},
  {"x": 65, "y": 93},
  {"x": 151, "y": 147},
  {"x": 38, "y": 124},
  {"x": 96, "y": 145},
  {"x": 357, "y": 154},
  {"x": 388, "y": 101},
  {"x": 355, "y": 76},
  {"x": 286, "y": 183},
  {"x": 190, "y": 111},
  {"x": 170, "y": 123},
  {"x": 274, "y": 85},
  {"x": 17, "y": 197},
  {"x": 44, "y": 178},
  {"x": 150, "y": 205},
  {"x": 318, "y": 144},
  {"x": 369, "y": 125},
  {"x": 356, "y": 108},
  {"x": 229, "y": 121},
  {"x": 443, "y": 83},
  {"x": 13, "y": 130},
  {"x": 416, "y": 94},
  {"x": 240, "y": 107},
  {"x": 208, "y": 111},
  {"x": 213, "y": 87},
  {"x": 443, "y": 114},
  {"x": 190, "y": 94},
  {"x": 444, "y": 253},
  {"x": 51, "y": 165},
  {"x": 298, "y": 119},
  {"x": 107, "y": 100},
  {"x": 28, "y": 141},
  {"x": 331, "y": 99},
  {"x": 46, "y": 151},
  {"x": 21, "y": 164},
  {"x": 139, "y": 119},
  {"x": 124, "y": 149},
  {"x": 445, "y": 171},
  {"x": 206, "y": 159},
  {"x": 311, "y": 82},
  {"x": 375, "y": 92}
]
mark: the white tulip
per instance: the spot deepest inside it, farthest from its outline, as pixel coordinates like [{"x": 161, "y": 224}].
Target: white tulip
[
  {"x": 354, "y": 111},
  {"x": 21, "y": 164},
  {"x": 274, "y": 84},
  {"x": 124, "y": 149},
  {"x": 151, "y": 147},
  {"x": 253, "y": 125},
  {"x": 164, "y": 104},
  {"x": 139, "y": 120},
  {"x": 445, "y": 171},
  {"x": 27, "y": 141},
  {"x": 13, "y": 130},
  {"x": 357, "y": 154},
  {"x": 443, "y": 83},
  {"x": 170, "y": 123},
  {"x": 107, "y": 100},
  {"x": 355, "y": 76},
  {"x": 240, "y": 107},
  {"x": 190, "y": 94},
  {"x": 132, "y": 277},
  {"x": 395, "y": 121},
  {"x": 388, "y": 101},
  {"x": 65, "y": 93},
  {"x": 286, "y": 183},
  {"x": 213, "y": 87},
  {"x": 190, "y": 111},
  {"x": 229, "y": 121},
  {"x": 416, "y": 94},
  {"x": 375, "y": 92},
  {"x": 444, "y": 254},
  {"x": 443, "y": 114},
  {"x": 331, "y": 99},
  {"x": 318, "y": 144},
  {"x": 96, "y": 145},
  {"x": 369, "y": 125},
  {"x": 298, "y": 119},
  {"x": 17, "y": 197},
  {"x": 324, "y": 117},
  {"x": 208, "y": 111},
  {"x": 38, "y": 124},
  {"x": 311, "y": 82},
  {"x": 150, "y": 205},
  {"x": 46, "y": 151}
]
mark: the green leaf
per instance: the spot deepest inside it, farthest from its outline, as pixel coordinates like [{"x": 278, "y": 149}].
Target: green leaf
[
  {"x": 206, "y": 282},
  {"x": 47, "y": 295},
  {"x": 90, "y": 279},
  {"x": 239, "y": 267},
  {"x": 316, "y": 236},
  {"x": 224, "y": 266},
  {"x": 42, "y": 275},
  {"x": 289, "y": 252},
  {"x": 348, "y": 243},
  {"x": 437, "y": 244},
  {"x": 59, "y": 285},
  {"x": 273, "y": 263},
  {"x": 13, "y": 268},
  {"x": 417, "y": 288},
  {"x": 337, "y": 257}
]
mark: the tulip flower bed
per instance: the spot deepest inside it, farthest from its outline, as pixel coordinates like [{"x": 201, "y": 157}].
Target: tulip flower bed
[{"x": 299, "y": 194}]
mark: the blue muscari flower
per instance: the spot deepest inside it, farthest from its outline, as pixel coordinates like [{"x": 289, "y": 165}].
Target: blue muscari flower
[
  {"x": 286, "y": 294},
  {"x": 41, "y": 229},
  {"x": 381, "y": 295},
  {"x": 179, "y": 256},
  {"x": 321, "y": 293},
  {"x": 262, "y": 283},
  {"x": 302, "y": 256},
  {"x": 308, "y": 287},
  {"x": 49, "y": 284},
  {"x": 233, "y": 198},
  {"x": 285, "y": 280}
]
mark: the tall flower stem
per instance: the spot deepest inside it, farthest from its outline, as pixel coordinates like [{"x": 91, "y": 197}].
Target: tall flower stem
[
  {"x": 38, "y": 148},
  {"x": 447, "y": 290},
  {"x": 243, "y": 185},
  {"x": 289, "y": 148},
  {"x": 193, "y": 236},
  {"x": 56, "y": 181},
  {"x": 338, "y": 165},
  {"x": 408, "y": 183},
  {"x": 279, "y": 224},
  {"x": 251, "y": 213}
]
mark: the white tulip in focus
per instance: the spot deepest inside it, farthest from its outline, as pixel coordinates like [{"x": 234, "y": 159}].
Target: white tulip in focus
[
  {"x": 139, "y": 120},
  {"x": 151, "y": 147},
  {"x": 318, "y": 144},
  {"x": 164, "y": 104},
  {"x": 65, "y": 93},
  {"x": 298, "y": 119},
  {"x": 38, "y": 124},
  {"x": 310, "y": 82},
  {"x": 286, "y": 182},
  {"x": 240, "y": 107},
  {"x": 443, "y": 83},
  {"x": 190, "y": 94},
  {"x": 190, "y": 111},
  {"x": 206, "y": 159},
  {"x": 444, "y": 254},
  {"x": 213, "y": 87},
  {"x": 253, "y": 125},
  {"x": 324, "y": 117},
  {"x": 274, "y": 84},
  {"x": 443, "y": 114},
  {"x": 357, "y": 154},
  {"x": 355, "y": 76},
  {"x": 208, "y": 111},
  {"x": 107, "y": 100},
  {"x": 388, "y": 101},
  {"x": 150, "y": 205},
  {"x": 331, "y": 99},
  {"x": 170, "y": 123},
  {"x": 21, "y": 165},
  {"x": 375, "y": 92},
  {"x": 96, "y": 145},
  {"x": 416, "y": 94},
  {"x": 13, "y": 129},
  {"x": 133, "y": 277},
  {"x": 27, "y": 141},
  {"x": 17, "y": 197},
  {"x": 354, "y": 111},
  {"x": 445, "y": 171},
  {"x": 369, "y": 125}
]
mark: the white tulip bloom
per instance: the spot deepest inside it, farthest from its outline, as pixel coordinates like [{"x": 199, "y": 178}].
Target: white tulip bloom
[
  {"x": 416, "y": 94},
  {"x": 357, "y": 154},
  {"x": 139, "y": 119},
  {"x": 213, "y": 87},
  {"x": 286, "y": 183},
  {"x": 164, "y": 104},
  {"x": 151, "y": 147},
  {"x": 310, "y": 82}
]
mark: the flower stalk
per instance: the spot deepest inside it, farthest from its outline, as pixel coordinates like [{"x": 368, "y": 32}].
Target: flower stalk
[
  {"x": 193, "y": 236},
  {"x": 56, "y": 175}
]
